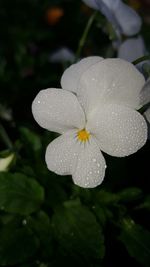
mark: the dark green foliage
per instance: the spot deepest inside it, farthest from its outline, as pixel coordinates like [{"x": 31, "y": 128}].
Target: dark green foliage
[
  {"x": 137, "y": 241},
  {"x": 46, "y": 220},
  {"x": 17, "y": 245},
  {"x": 19, "y": 194},
  {"x": 77, "y": 231}
]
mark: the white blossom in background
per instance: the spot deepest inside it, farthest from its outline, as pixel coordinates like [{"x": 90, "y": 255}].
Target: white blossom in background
[
  {"x": 5, "y": 113},
  {"x": 5, "y": 162},
  {"x": 147, "y": 114},
  {"x": 62, "y": 55},
  {"x": 132, "y": 49},
  {"x": 95, "y": 111},
  {"x": 124, "y": 19}
]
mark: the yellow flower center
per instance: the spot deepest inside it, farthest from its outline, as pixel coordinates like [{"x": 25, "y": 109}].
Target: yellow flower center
[{"x": 83, "y": 135}]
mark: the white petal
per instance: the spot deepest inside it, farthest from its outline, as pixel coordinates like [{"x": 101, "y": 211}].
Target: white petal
[
  {"x": 132, "y": 49},
  {"x": 58, "y": 110},
  {"x": 112, "y": 5},
  {"x": 147, "y": 114},
  {"x": 91, "y": 3},
  {"x": 110, "y": 81},
  {"x": 129, "y": 21},
  {"x": 5, "y": 162},
  {"x": 66, "y": 155},
  {"x": 145, "y": 93},
  {"x": 63, "y": 54},
  {"x": 61, "y": 154},
  {"x": 121, "y": 131},
  {"x": 108, "y": 7},
  {"x": 123, "y": 18},
  {"x": 71, "y": 76},
  {"x": 90, "y": 168}
]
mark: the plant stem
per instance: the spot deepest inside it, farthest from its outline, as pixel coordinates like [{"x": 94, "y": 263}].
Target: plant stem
[
  {"x": 4, "y": 136},
  {"x": 85, "y": 34},
  {"x": 139, "y": 60},
  {"x": 144, "y": 108}
]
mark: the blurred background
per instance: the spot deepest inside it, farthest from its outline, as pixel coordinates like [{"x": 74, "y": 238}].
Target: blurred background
[{"x": 45, "y": 220}]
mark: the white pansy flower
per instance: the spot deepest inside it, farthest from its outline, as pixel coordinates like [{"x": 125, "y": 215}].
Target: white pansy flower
[
  {"x": 94, "y": 112},
  {"x": 61, "y": 55},
  {"x": 124, "y": 19}
]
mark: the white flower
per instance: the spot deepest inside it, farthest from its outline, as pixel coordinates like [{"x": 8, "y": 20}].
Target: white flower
[
  {"x": 124, "y": 19},
  {"x": 62, "y": 55},
  {"x": 5, "y": 113},
  {"x": 5, "y": 162},
  {"x": 132, "y": 49},
  {"x": 94, "y": 111}
]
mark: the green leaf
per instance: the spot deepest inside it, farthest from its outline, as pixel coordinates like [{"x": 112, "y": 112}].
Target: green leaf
[
  {"x": 146, "y": 204},
  {"x": 32, "y": 141},
  {"x": 83, "y": 193},
  {"x": 54, "y": 193},
  {"x": 20, "y": 194},
  {"x": 77, "y": 231},
  {"x": 130, "y": 194},
  {"x": 146, "y": 69},
  {"x": 67, "y": 261},
  {"x": 41, "y": 226},
  {"x": 137, "y": 241},
  {"x": 106, "y": 198},
  {"x": 16, "y": 245},
  {"x": 103, "y": 214}
]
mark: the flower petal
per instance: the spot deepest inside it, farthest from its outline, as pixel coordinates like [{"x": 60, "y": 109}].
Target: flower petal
[
  {"x": 90, "y": 168},
  {"x": 112, "y": 5},
  {"x": 62, "y": 55},
  {"x": 123, "y": 17},
  {"x": 91, "y": 3},
  {"x": 108, "y": 7},
  {"x": 61, "y": 154},
  {"x": 147, "y": 114},
  {"x": 145, "y": 93},
  {"x": 66, "y": 155},
  {"x": 128, "y": 19},
  {"x": 110, "y": 81},
  {"x": 71, "y": 76},
  {"x": 120, "y": 130},
  {"x": 58, "y": 110},
  {"x": 132, "y": 48}
]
